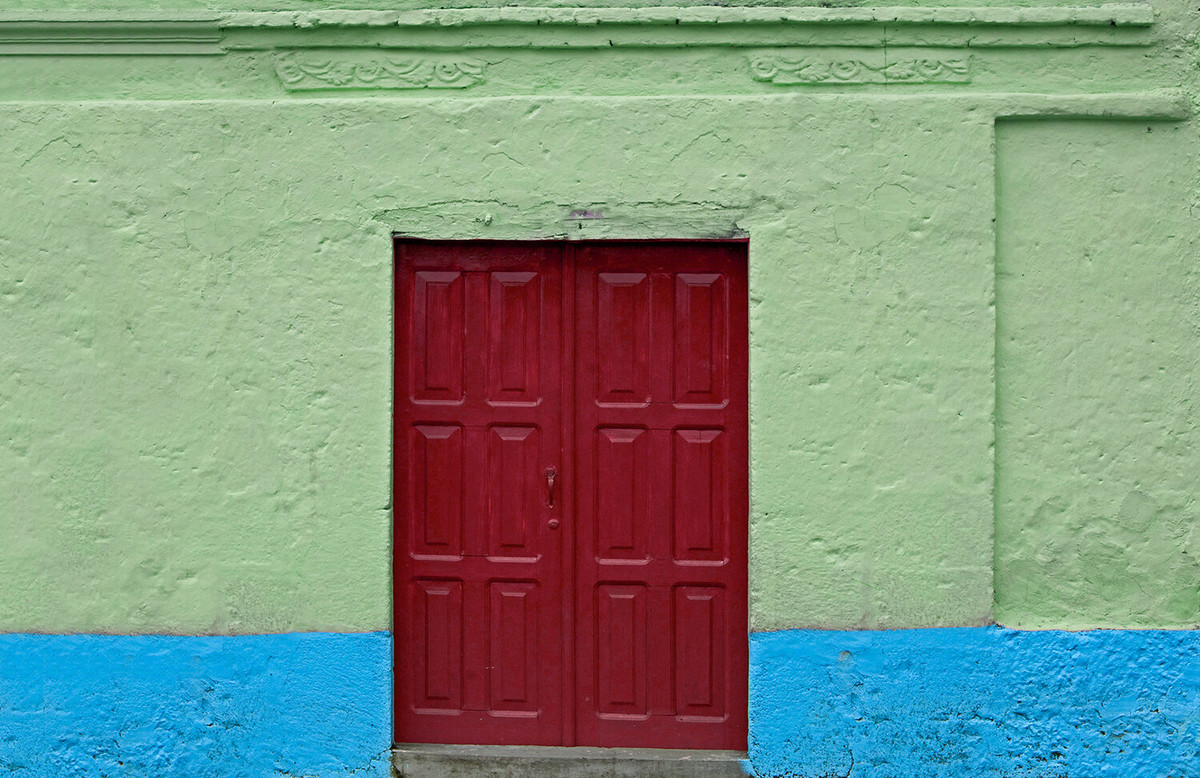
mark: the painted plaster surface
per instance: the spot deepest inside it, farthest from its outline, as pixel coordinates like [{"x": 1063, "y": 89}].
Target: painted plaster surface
[
  {"x": 588, "y": 51},
  {"x": 982, "y": 702},
  {"x": 1098, "y": 300},
  {"x": 196, "y": 391},
  {"x": 195, "y": 269},
  {"x": 148, "y": 706}
]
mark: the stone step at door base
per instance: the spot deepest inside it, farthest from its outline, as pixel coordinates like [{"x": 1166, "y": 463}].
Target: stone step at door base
[{"x": 418, "y": 760}]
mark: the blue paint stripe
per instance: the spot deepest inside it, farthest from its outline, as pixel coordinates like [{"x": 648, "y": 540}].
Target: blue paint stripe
[
  {"x": 303, "y": 704},
  {"x": 984, "y": 701},
  {"x": 945, "y": 702}
]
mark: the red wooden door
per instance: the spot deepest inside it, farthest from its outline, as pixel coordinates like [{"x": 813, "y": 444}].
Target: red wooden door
[
  {"x": 478, "y": 589},
  {"x": 614, "y": 613},
  {"x": 661, "y": 461}
]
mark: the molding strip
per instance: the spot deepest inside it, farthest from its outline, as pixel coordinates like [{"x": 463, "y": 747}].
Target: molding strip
[
  {"x": 114, "y": 32},
  {"x": 1166, "y": 105},
  {"x": 178, "y": 36},
  {"x": 1114, "y": 15}
]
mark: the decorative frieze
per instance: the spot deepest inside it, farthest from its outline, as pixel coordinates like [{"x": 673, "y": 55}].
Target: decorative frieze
[
  {"x": 346, "y": 70},
  {"x": 776, "y": 69}
]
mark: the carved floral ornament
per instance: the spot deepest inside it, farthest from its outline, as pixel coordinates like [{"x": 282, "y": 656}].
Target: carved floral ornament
[
  {"x": 299, "y": 72},
  {"x": 778, "y": 69}
]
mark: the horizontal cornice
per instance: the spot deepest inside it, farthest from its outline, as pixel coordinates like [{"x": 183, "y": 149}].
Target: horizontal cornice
[
  {"x": 1120, "y": 15},
  {"x": 1114, "y": 14},
  {"x": 175, "y": 36},
  {"x": 212, "y": 33}
]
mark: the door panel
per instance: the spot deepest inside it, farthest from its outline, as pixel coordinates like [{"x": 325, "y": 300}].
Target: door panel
[
  {"x": 437, "y": 673},
  {"x": 639, "y": 561},
  {"x": 512, "y": 495},
  {"x": 622, "y": 493},
  {"x": 437, "y": 343},
  {"x": 700, "y": 633},
  {"x": 620, "y": 675},
  {"x": 435, "y": 475},
  {"x": 478, "y": 412},
  {"x": 700, "y": 513},
  {"x": 662, "y": 502},
  {"x": 701, "y": 311},
  {"x": 622, "y": 348},
  {"x": 512, "y": 622},
  {"x": 514, "y": 328}
]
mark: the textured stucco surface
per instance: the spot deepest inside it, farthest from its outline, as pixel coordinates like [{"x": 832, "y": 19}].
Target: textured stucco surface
[
  {"x": 311, "y": 704},
  {"x": 1098, "y": 338},
  {"x": 976, "y": 701},
  {"x": 197, "y": 385}
]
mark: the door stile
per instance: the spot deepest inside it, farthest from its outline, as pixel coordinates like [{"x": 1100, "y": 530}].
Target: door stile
[
  {"x": 569, "y": 509},
  {"x": 475, "y": 527},
  {"x": 400, "y": 323}
]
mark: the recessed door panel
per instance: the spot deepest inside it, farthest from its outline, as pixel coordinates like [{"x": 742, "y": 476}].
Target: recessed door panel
[
  {"x": 571, "y": 493},
  {"x": 623, "y": 474},
  {"x": 437, "y": 673},
  {"x": 437, "y": 347},
  {"x": 699, "y": 473},
  {"x": 436, "y": 486},
  {"x": 513, "y": 648},
  {"x": 512, "y": 494}
]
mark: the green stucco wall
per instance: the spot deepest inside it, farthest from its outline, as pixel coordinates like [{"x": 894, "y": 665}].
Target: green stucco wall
[
  {"x": 195, "y": 278},
  {"x": 1098, "y": 291}
]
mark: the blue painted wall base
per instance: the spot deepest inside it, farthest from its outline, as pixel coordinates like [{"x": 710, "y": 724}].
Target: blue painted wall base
[
  {"x": 307, "y": 704},
  {"x": 981, "y": 701},
  {"x": 928, "y": 702}
]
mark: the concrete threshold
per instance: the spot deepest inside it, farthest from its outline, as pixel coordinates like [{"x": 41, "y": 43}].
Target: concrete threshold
[{"x": 421, "y": 760}]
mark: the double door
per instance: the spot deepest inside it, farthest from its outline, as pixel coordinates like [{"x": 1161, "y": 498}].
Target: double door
[{"x": 570, "y": 493}]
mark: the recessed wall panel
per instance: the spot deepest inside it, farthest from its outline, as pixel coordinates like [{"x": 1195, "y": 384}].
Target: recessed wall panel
[{"x": 1097, "y": 446}]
